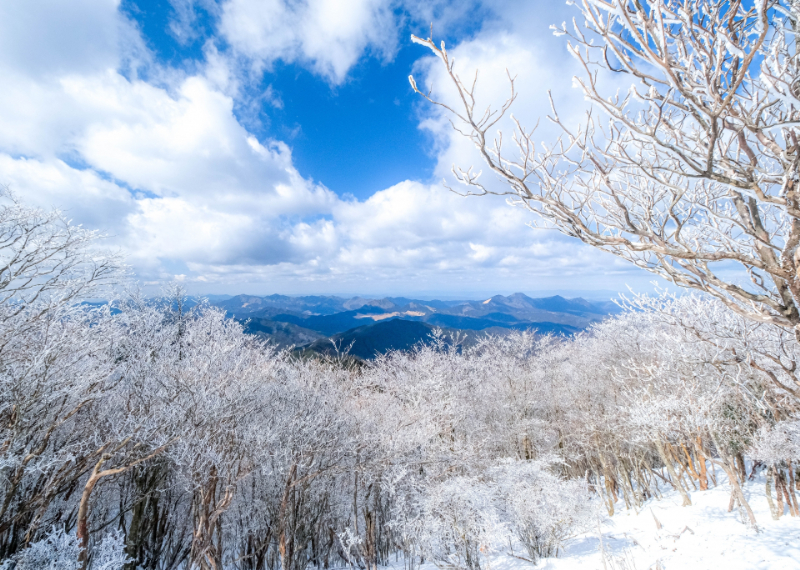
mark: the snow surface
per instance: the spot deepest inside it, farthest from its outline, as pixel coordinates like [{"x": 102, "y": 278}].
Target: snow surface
[
  {"x": 702, "y": 536},
  {"x": 713, "y": 537}
]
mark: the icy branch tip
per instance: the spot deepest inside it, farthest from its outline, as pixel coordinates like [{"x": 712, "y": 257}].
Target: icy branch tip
[{"x": 419, "y": 41}]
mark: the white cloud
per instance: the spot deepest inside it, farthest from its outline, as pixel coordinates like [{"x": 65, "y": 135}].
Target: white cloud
[
  {"x": 185, "y": 190},
  {"x": 170, "y": 174},
  {"x": 208, "y": 191},
  {"x": 517, "y": 46},
  {"x": 47, "y": 37},
  {"x": 421, "y": 236},
  {"x": 328, "y": 35},
  {"x": 83, "y": 195}
]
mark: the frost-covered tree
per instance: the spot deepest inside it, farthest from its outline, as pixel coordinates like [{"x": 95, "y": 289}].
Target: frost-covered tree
[
  {"x": 54, "y": 363},
  {"x": 692, "y": 171}
]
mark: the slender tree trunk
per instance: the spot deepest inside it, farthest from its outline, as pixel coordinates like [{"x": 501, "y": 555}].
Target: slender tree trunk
[
  {"x": 742, "y": 470},
  {"x": 782, "y": 482},
  {"x": 792, "y": 486},
  {"x": 133, "y": 542},
  {"x": 687, "y": 501},
  {"x": 702, "y": 475},
  {"x": 731, "y": 471},
  {"x": 768, "y": 491},
  {"x": 94, "y": 478},
  {"x": 605, "y": 490},
  {"x": 83, "y": 516},
  {"x": 602, "y": 490},
  {"x": 355, "y": 501},
  {"x": 285, "y": 562}
]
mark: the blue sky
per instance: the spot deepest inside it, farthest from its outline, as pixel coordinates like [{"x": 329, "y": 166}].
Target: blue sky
[
  {"x": 332, "y": 127},
  {"x": 268, "y": 146},
  {"x": 335, "y": 131}
]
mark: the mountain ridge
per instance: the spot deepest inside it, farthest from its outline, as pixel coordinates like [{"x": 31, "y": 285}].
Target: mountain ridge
[{"x": 313, "y": 321}]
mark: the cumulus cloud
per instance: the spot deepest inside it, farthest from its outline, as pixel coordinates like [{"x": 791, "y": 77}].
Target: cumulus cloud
[
  {"x": 323, "y": 34},
  {"x": 180, "y": 185},
  {"x": 418, "y": 238},
  {"x": 516, "y": 44},
  {"x": 169, "y": 173},
  {"x": 82, "y": 194},
  {"x": 45, "y": 37}
]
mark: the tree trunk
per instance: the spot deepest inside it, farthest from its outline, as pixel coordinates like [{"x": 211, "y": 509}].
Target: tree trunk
[
  {"x": 784, "y": 490},
  {"x": 701, "y": 461},
  {"x": 687, "y": 501},
  {"x": 792, "y": 486},
  {"x": 285, "y": 562},
  {"x": 133, "y": 541},
  {"x": 742, "y": 470},
  {"x": 768, "y": 490},
  {"x": 94, "y": 478},
  {"x": 83, "y": 516},
  {"x": 730, "y": 470}
]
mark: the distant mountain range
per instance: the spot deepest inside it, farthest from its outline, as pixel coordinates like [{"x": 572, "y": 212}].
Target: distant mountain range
[{"x": 375, "y": 326}]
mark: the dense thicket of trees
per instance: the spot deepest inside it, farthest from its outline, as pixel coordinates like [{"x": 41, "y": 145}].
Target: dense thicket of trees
[{"x": 160, "y": 437}]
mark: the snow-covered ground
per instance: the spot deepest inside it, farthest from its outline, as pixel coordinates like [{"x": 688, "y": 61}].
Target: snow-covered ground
[{"x": 702, "y": 536}]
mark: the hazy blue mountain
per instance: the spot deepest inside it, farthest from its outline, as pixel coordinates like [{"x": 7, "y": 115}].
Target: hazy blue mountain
[
  {"x": 378, "y": 338},
  {"x": 367, "y": 341},
  {"x": 435, "y": 304},
  {"x": 281, "y": 334},
  {"x": 241, "y": 305},
  {"x": 504, "y": 321},
  {"x": 217, "y": 298},
  {"x": 359, "y": 302},
  {"x": 251, "y": 305},
  {"x": 332, "y": 324},
  {"x": 314, "y": 320},
  {"x": 573, "y": 312}
]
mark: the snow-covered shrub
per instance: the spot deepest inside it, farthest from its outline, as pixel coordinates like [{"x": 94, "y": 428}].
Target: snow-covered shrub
[
  {"x": 229, "y": 451},
  {"x": 542, "y": 510},
  {"x": 459, "y": 520},
  {"x": 778, "y": 443},
  {"x": 56, "y": 551},
  {"x": 59, "y": 550},
  {"x": 110, "y": 553}
]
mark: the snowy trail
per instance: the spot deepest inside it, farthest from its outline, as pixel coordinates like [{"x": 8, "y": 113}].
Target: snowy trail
[{"x": 702, "y": 536}]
